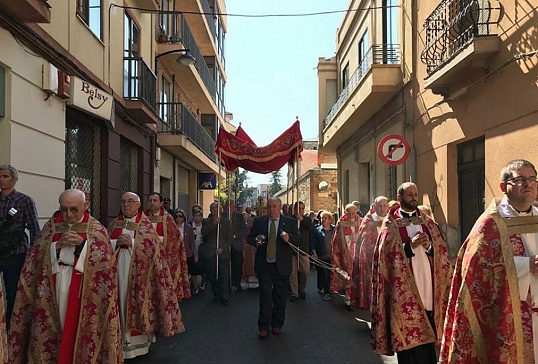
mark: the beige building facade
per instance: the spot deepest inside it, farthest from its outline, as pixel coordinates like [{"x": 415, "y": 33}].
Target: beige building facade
[
  {"x": 463, "y": 95},
  {"x": 94, "y": 97}
]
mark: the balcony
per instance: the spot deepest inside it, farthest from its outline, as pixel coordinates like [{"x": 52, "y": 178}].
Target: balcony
[
  {"x": 181, "y": 134},
  {"x": 139, "y": 89},
  {"x": 198, "y": 79},
  {"x": 377, "y": 79},
  {"x": 28, "y": 11},
  {"x": 460, "y": 36},
  {"x": 202, "y": 23}
]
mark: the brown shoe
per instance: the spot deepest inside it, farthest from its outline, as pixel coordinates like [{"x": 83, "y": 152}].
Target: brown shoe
[
  {"x": 263, "y": 334},
  {"x": 276, "y": 331}
]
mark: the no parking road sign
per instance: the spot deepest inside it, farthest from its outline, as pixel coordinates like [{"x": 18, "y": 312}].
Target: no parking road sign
[{"x": 393, "y": 149}]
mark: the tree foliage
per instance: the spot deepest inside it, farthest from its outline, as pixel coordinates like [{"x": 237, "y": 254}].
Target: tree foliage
[{"x": 275, "y": 184}]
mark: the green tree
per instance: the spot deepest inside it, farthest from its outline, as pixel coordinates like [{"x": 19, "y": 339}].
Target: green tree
[{"x": 274, "y": 183}]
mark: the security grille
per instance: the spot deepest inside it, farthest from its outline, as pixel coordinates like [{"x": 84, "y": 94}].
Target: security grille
[
  {"x": 83, "y": 158},
  {"x": 128, "y": 167}
]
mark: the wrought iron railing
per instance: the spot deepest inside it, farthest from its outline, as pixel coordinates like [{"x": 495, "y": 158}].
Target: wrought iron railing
[
  {"x": 453, "y": 25},
  {"x": 201, "y": 65},
  {"x": 139, "y": 81},
  {"x": 377, "y": 54},
  {"x": 209, "y": 14},
  {"x": 177, "y": 119}
]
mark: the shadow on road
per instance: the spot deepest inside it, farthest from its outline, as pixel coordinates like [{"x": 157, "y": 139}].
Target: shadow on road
[{"x": 315, "y": 331}]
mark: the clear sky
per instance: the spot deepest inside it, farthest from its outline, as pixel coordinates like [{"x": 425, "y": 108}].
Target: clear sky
[{"x": 271, "y": 66}]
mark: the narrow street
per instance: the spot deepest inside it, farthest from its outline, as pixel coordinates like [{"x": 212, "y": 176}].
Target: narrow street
[{"x": 315, "y": 331}]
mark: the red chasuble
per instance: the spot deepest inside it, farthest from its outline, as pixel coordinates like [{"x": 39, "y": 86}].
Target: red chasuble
[
  {"x": 151, "y": 306},
  {"x": 399, "y": 321},
  {"x": 92, "y": 317},
  {"x": 174, "y": 251},
  {"x": 342, "y": 254},
  {"x": 362, "y": 263},
  {"x": 484, "y": 297}
]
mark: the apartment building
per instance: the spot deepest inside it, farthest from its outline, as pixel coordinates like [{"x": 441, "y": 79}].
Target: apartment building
[
  {"x": 363, "y": 91},
  {"x": 110, "y": 96},
  {"x": 461, "y": 88}
]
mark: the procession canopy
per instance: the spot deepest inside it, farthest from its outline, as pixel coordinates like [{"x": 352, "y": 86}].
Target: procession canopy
[{"x": 240, "y": 150}]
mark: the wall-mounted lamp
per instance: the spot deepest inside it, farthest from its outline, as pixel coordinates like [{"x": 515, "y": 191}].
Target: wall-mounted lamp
[{"x": 186, "y": 59}]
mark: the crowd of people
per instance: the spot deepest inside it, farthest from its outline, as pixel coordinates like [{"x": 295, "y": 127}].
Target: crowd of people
[{"x": 78, "y": 292}]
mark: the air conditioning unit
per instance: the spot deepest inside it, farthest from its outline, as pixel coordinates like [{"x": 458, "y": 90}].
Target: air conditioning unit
[{"x": 49, "y": 78}]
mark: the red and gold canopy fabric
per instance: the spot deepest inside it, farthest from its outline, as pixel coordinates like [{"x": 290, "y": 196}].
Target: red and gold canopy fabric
[{"x": 240, "y": 151}]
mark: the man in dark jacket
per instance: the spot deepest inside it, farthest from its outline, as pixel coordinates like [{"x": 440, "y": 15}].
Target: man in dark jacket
[
  {"x": 239, "y": 231},
  {"x": 301, "y": 263},
  {"x": 271, "y": 235},
  {"x": 218, "y": 237}
]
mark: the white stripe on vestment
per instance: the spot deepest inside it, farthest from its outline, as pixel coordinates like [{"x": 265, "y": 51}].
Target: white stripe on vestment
[
  {"x": 422, "y": 271},
  {"x": 527, "y": 281}
]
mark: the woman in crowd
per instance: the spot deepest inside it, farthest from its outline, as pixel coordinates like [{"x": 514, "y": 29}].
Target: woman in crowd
[
  {"x": 320, "y": 248},
  {"x": 187, "y": 233},
  {"x": 199, "y": 268}
]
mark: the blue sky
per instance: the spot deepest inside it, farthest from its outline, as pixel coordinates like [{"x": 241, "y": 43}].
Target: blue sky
[{"x": 271, "y": 66}]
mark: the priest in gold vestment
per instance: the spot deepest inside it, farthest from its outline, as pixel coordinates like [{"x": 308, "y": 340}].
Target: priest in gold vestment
[{"x": 492, "y": 314}]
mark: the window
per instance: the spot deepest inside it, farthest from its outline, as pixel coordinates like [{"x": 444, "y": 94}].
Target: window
[
  {"x": 166, "y": 101},
  {"x": 390, "y": 23},
  {"x": 91, "y": 13},
  {"x": 130, "y": 60},
  {"x": 363, "y": 51},
  {"x": 345, "y": 76},
  {"x": 2, "y": 92},
  {"x": 346, "y": 187}
]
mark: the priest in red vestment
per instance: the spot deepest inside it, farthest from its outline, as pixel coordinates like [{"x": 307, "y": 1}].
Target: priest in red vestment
[
  {"x": 173, "y": 245},
  {"x": 344, "y": 242},
  {"x": 147, "y": 298},
  {"x": 362, "y": 264},
  {"x": 66, "y": 310},
  {"x": 410, "y": 281},
  {"x": 492, "y": 314}
]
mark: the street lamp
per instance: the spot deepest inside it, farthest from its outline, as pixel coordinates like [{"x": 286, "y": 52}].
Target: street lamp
[{"x": 186, "y": 59}]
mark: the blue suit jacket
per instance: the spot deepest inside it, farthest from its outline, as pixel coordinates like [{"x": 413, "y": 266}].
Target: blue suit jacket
[{"x": 283, "y": 250}]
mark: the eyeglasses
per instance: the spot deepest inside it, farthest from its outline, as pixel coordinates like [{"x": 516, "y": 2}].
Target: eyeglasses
[
  {"x": 522, "y": 180},
  {"x": 180, "y": 217},
  {"x": 129, "y": 202}
]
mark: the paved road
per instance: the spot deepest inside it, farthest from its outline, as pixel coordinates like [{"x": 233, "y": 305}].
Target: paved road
[{"x": 315, "y": 331}]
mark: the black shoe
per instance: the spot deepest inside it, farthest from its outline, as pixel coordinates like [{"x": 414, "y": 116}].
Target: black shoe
[
  {"x": 224, "y": 300},
  {"x": 350, "y": 308},
  {"x": 302, "y": 295},
  {"x": 293, "y": 298},
  {"x": 239, "y": 289},
  {"x": 215, "y": 299}
]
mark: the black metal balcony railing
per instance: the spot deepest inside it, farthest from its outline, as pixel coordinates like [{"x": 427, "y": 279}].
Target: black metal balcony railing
[
  {"x": 174, "y": 29},
  {"x": 377, "y": 54},
  {"x": 177, "y": 119},
  {"x": 209, "y": 18},
  {"x": 203, "y": 70},
  {"x": 453, "y": 25},
  {"x": 139, "y": 82}
]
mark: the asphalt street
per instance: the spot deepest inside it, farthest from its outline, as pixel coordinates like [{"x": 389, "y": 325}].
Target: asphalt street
[{"x": 315, "y": 331}]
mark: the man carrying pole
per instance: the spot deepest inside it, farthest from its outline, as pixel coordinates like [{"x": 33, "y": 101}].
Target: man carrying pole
[{"x": 218, "y": 237}]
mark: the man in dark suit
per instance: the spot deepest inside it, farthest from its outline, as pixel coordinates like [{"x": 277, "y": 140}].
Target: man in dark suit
[
  {"x": 239, "y": 231},
  {"x": 271, "y": 235},
  {"x": 217, "y": 249}
]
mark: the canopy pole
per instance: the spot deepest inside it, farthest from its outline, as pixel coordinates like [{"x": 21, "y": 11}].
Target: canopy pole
[{"x": 218, "y": 213}]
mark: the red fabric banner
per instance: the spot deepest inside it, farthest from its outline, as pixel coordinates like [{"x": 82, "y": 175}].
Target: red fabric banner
[{"x": 240, "y": 151}]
